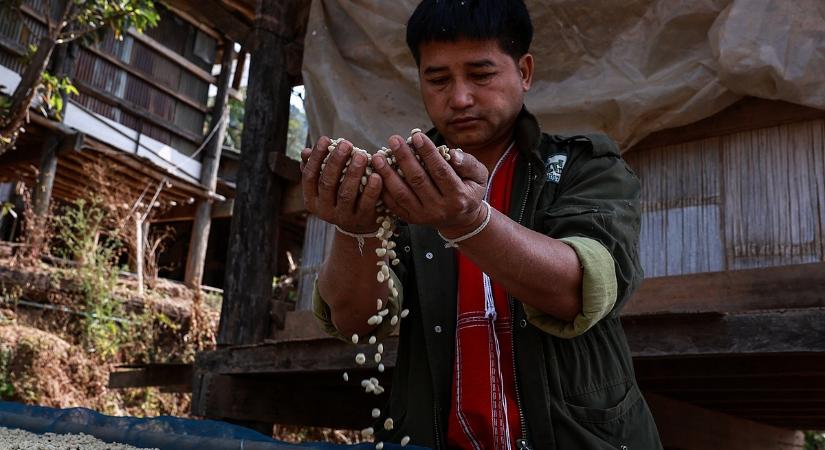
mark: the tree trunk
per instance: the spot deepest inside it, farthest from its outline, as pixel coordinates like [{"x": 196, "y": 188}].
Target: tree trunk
[{"x": 22, "y": 97}]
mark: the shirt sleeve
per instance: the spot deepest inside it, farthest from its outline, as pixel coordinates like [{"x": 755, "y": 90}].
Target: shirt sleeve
[
  {"x": 599, "y": 290},
  {"x": 597, "y": 197},
  {"x": 324, "y": 317}
]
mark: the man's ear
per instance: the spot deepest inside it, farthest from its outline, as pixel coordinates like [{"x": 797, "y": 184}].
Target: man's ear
[{"x": 525, "y": 67}]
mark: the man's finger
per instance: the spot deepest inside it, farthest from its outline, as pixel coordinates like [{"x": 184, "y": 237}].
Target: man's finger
[
  {"x": 368, "y": 199},
  {"x": 311, "y": 170},
  {"x": 330, "y": 176},
  {"x": 414, "y": 174},
  {"x": 348, "y": 191},
  {"x": 442, "y": 174},
  {"x": 394, "y": 185},
  {"x": 468, "y": 168}
]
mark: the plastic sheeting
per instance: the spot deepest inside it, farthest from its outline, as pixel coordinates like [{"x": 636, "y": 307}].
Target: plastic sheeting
[
  {"x": 627, "y": 68},
  {"x": 164, "y": 433}
]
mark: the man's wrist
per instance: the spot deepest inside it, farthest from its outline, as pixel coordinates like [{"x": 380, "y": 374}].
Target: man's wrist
[{"x": 478, "y": 217}]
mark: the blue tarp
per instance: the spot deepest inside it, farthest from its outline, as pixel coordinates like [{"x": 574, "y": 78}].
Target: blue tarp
[{"x": 165, "y": 432}]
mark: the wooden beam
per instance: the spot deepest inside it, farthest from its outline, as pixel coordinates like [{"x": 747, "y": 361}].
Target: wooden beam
[
  {"x": 185, "y": 213},
  {"x": 747, "y": 114},
  {"x": 796, "y": 286},
  {"x": 240, "y": 67},
  {"x": 209, "y": 172},
  {"x": 42, "y": 194},
  {"x": 128, "y": 160},
  {"x": 152, "y": 375},
  {"x": 277, "y": 400},
  {"x": 252, "y": 258},
  {"x": 217, "y": 16},
  {"x": 193, "y": 21},
  {"x": 799, "y": 330}
]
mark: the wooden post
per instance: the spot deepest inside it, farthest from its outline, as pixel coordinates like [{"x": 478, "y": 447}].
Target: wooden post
[
  {"x": 209, "y": 173},
  {"x": 45, "y": 178},
  {"x": 62, "y": 64},
  {"x": 140, "y": 249},
  {"x": 253, "y": 238}
]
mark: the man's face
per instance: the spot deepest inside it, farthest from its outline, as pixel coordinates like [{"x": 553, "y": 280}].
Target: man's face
[{"x": 472, "y": 90}]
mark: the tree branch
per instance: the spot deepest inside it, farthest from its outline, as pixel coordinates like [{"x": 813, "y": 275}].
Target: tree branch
[{"x": 73, "y": 35}]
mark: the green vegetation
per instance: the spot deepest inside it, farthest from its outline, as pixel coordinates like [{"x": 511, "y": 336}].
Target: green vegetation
[
  {"x": 814, "y": 440},
  {"x": 6, "y": 385},
  {"x": 84, "y": 238}
]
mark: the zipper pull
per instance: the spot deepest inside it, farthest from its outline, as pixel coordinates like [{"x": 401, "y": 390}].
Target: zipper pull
[{"x": 522, "y": 444}]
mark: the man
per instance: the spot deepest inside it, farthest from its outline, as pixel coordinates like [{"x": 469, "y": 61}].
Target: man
[{"x": 513, "y": 338}]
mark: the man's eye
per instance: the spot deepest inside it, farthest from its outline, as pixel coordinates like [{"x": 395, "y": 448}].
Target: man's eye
[
  {"x": 438, "y": 81},
  {"x": 483, "y": 76}
]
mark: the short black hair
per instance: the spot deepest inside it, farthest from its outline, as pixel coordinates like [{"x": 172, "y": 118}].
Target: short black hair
[{"x": 507, "y": 21}]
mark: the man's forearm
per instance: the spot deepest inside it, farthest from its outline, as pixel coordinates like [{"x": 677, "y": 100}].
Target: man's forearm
[
  {"x": 347, "y": 283},
  {"x": 543, "y": 272}
]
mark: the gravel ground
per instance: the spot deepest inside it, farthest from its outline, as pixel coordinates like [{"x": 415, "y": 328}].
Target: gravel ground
[{"x": 23, "y": 440}]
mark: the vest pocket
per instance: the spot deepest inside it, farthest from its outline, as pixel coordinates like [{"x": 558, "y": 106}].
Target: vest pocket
[
  {"x": 625, "y": 425},
  {"x": 592, "y": 412}
]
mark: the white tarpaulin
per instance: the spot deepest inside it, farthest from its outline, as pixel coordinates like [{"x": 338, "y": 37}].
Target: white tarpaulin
[{"x": 624, "y": 67}]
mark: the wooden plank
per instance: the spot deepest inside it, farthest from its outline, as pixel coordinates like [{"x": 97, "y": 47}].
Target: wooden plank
[
  {"x": 193, "y": 21},
  {"x": 738, "y": 369},
  {"x": 295, "y": 356},
  {"x": 152, "y": 375},
  {"x": 801, "y": 330},
  {"x": 796, "y": 286},
  {"x": 687, "y": 427},
  {"x": 747, "y": 114},
  {"x": 215, "y": 14},
  {"x": 308, "y": 400}
]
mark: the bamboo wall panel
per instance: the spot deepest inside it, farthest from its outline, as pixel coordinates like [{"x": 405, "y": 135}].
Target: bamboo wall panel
[
  {"x": 24, "y": 32},
  {"x": 681, "y": 220},
  {"x": 317, "y": 241},
  {"x": 106, "y": 77},
  {"x": 773, "y": 199},
  {"x": 746, "y": 200}
]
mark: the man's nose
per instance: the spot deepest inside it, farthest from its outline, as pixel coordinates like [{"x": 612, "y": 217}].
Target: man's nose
[{"x": 462, "y": 96}]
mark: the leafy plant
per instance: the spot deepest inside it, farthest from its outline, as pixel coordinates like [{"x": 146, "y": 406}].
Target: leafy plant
[
  {"x": 814, "y": 440},
  {"x": 51, "y": 91},
  {"x": 82, "y": 233},
  {"x": 6, "y": 386}
]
